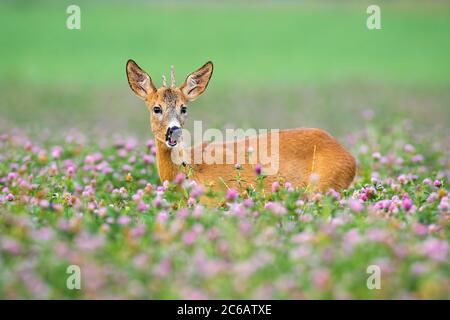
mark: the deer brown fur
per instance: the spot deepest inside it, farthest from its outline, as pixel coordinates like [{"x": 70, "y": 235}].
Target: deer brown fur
[{"x": 308, "y": 158}]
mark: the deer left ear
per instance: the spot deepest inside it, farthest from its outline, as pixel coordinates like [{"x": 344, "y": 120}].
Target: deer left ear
[
  {"x": 196, "y": 83},
  {"x": 139, "y": 81}
]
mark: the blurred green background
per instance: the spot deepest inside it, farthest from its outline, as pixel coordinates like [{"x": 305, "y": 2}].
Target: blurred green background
[{"x": 277, "y": 64}]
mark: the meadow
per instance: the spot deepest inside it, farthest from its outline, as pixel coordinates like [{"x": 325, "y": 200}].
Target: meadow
[{"x": 78, "y": 180}]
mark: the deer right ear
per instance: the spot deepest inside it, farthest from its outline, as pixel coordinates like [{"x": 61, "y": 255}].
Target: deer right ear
[
  {"x": 197, "y": 81},
  {"x": 139, "y": 80}
]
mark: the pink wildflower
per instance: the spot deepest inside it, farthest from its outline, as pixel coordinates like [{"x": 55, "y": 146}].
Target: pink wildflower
[
  {"x": 148, "y": 159},
  {"x": 432, "y": 197},
  {"x": 124, "y": 220},
  {"x": 162, "y": 217},
  {"x": 142, "y": 207},
  {"x": 409, "y": 148},
  {"x": 198, "y": 211},
  {"x": 183, "y": 213},
  {"x": 11, "y": 246},
  {"x": 417, "y": 158},
  {"x": 276, "y": 208},
  {"x": 437, "y": 183},
  {"x": 444, "y": 205},
  {"x": 334, "y": 194},
  {"x": 57, "y": 152},
  {"x": 435, "y": 249},
  {"x": 275, "y": 186},
  {"x": 289, "y": 186},
  {"x": 420, "y": 229},
  {"x": 407, "y": 203},
  {"x": 196, "y": 192},
  {"x": 355, "y": 205},
  {"x": 12, "y": 176},
  {"x": 248, "y": 202},
  {"x": 179, "y": 179},
  {"x": 232, "y": 194},
  {"x": 189, "y": 237},
  {"x": 70, "y": 171}
]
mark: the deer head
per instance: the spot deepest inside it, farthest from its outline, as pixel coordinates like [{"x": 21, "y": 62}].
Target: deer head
[{"x": 168, "y": 105}]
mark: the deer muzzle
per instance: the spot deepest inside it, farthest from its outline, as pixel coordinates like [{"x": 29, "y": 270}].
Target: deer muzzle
[{"x": 173, "y": 136}]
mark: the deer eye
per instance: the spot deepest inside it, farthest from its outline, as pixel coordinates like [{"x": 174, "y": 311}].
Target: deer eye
[
  {"x": 183, "y": 109},
  {"x": 157, "y": 109}
]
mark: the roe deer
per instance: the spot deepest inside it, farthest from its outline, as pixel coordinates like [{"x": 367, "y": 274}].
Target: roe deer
[{"x": 306, "y": 157}]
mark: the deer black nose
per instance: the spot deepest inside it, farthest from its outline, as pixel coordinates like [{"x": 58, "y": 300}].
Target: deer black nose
[{"x": 175, "y": 132}]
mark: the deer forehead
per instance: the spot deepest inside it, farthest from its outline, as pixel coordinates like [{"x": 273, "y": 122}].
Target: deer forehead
[{"x": 167, "y": 97}]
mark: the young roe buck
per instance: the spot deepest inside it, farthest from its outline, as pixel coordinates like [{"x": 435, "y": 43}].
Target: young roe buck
[{"x": 307, "y": 157}]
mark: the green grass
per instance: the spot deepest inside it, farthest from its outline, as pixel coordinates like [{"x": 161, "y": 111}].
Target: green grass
[
  {"x": 250, "y": 44},
  {"x": 276, "y": 66}
]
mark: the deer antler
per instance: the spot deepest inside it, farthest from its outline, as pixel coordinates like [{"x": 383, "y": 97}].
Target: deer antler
[
  {"x": 164, "y": 81},
  {"x": 172, "y": 76}
]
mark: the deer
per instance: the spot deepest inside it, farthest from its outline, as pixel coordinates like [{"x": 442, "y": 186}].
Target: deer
[{"x": 308, "y": 158}]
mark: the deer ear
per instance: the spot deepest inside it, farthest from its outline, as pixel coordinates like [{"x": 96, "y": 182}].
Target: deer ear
[
  {"x": 197, "y": 81},
  {"x": 139, "y": 80}
]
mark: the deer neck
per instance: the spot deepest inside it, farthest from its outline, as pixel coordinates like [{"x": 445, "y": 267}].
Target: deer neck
[{"x": 166, "y": 168}]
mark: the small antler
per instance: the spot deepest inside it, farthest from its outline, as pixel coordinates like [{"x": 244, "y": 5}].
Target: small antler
[
  {"x": 164, "y": 81},
  {"x": 172, "y": 76}
]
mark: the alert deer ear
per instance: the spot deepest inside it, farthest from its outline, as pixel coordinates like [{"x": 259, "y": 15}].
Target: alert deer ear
[
  {"x": 139, "y": 80},
  {"x": 197, "y": 81}
]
